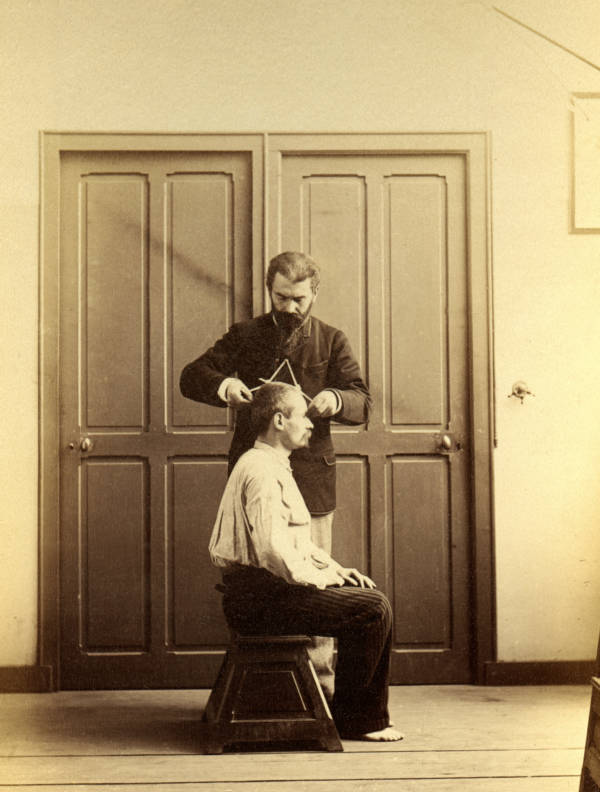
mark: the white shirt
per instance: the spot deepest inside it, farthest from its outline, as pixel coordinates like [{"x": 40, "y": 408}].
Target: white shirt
[{"x": 263, "y": 521}]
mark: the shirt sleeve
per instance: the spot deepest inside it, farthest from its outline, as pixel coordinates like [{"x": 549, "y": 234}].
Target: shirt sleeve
[
  {"x": 222, "y": 391},
  {"x": 272, "y": 539},
  {"x": 322, "y": 558},
  {"x": 201, "y": 379},
  {"x": 338, "y": 399},
  {"x": 345, "y": 377}
]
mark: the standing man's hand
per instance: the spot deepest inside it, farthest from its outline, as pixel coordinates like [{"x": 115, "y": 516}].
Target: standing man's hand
[
  {"x": 324, "y": 405},
  {"x": 237, "y": 394}
]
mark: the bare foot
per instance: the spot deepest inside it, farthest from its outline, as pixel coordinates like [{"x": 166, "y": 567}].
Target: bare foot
[{"x": 383, "y": 735}]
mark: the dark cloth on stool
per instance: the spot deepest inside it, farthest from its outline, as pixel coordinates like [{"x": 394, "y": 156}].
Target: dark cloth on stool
[{"x": 259, "y": 603}]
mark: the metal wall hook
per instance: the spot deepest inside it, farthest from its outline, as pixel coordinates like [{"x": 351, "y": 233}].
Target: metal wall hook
[{"x": 520, "y": 389}]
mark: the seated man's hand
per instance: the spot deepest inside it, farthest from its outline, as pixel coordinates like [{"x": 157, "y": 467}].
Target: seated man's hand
[
  {"x": 237, "y": 394},
  {"x": 356, "y": 578},
  {"x": 324, "y": 405}
]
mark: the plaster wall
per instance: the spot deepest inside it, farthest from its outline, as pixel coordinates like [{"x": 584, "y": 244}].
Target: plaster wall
[{"x": 344, "y": 65}]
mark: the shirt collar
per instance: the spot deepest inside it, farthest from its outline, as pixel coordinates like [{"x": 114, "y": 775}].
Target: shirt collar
[{"x": 279, "y": 455}]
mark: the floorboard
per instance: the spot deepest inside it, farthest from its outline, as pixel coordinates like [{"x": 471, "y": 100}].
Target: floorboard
[
  {"x": 457, "y": 738},
  {"x": 568, "y": 784},
  {"x": 306, "y": 767}
]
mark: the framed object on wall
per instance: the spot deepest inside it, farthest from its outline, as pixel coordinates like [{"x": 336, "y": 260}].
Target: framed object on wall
[{"x": 585, "y": 166}]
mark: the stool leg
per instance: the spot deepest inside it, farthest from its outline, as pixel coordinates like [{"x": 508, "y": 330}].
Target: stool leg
[
  {"x": 330, "y": 741},
  {"x": 210, "y": 747},
  {"x": 212, "y": 715},
  {"x": 329, "y": 738},
  {"x": 217, "y": 695}
]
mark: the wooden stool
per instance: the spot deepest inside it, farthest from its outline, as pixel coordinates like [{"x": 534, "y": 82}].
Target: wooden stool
[{"x": 267, "y": 691}]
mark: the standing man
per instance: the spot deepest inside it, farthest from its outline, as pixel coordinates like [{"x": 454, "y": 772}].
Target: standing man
[{"x": 326, "y": 370}]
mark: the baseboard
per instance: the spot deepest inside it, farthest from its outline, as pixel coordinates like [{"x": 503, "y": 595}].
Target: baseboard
[
  {"x": 559, "y": 672},
  {"x": 26, "y": 679},
  {"x": 38, "y": 679}
]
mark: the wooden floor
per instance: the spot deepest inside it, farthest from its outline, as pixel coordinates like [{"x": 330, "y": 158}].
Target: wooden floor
[{"x": 472, "y": 739}]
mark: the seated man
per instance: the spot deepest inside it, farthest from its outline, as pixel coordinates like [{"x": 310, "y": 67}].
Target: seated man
[{"x": 278, "y": 582}]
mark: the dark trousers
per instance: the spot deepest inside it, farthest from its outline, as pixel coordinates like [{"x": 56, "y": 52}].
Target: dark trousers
[{"x": 259, "y": 603}]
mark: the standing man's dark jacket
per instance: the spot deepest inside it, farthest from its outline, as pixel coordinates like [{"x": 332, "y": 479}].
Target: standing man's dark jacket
[{"x": 322, "y": 360}]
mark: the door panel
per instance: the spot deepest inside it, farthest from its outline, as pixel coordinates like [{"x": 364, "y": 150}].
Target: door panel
[
  {"x": 156, "y": 263},
  {"x": 351, "y": 524},
  {"x": 414, "y": 212},
  {"x": 113, "y": 232},
  {"x": 201, "y": 292},
  {"x": 114, "y": 555},
  {"x": 422, "y": 585},
  {"x": 194, "y": 607},
  {"x": 333, "y": 222},
  {"x": 389, "y": 232}
]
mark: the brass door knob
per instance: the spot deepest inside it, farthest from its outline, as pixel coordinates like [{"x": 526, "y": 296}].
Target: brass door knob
[{"x": 445, "y": 443}]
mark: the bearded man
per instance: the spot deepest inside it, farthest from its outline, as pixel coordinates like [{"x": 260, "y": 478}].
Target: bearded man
[{"x": 325, "y": 369}]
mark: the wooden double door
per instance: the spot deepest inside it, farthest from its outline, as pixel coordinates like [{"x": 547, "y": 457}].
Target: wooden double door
[{"x": 160, "y": 251}]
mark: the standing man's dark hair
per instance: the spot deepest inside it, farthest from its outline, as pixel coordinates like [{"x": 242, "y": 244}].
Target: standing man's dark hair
[
  {"x": 324, "y": 367},
  {"x": 295, "y": 267}
]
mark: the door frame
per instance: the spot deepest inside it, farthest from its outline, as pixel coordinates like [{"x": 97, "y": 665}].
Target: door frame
[{"x": 474, "y": 146}]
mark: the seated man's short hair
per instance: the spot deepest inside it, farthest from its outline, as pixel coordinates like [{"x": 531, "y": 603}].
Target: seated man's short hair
[{"x": 270, "y": 398}]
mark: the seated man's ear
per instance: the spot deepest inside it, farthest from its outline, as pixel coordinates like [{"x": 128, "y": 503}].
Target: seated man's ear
[{"x": 278, "y": 420}]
